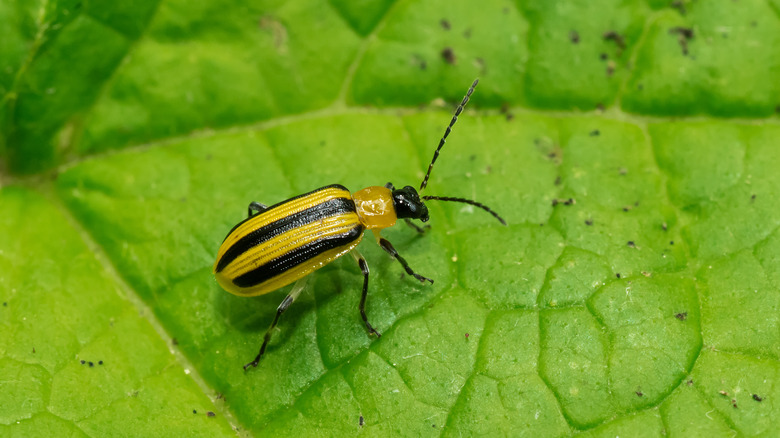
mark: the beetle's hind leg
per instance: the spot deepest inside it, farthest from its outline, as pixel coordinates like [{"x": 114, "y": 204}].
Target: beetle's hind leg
[
  {"x": 387, "y": 246},
  {"x": 288, "y": 300},
  {"x": 256, "y": 207},
  {"x": 364, "y": 267}
]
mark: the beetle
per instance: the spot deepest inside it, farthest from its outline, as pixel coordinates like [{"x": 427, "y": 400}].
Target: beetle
[{"x": 281, "y": 244}]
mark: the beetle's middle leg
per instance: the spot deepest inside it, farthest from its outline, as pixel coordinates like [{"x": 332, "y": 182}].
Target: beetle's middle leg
[
  {"x": 288, "y": 300},
  {"x": 364, "y": 267}
]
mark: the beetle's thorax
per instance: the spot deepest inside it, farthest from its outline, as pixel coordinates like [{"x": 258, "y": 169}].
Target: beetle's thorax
[{"x": 375, "y": 208}]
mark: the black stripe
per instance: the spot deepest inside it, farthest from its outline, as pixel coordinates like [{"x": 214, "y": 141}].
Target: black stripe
[
  {"x": 331, "y": 207},
  {"x": 332, "y": 186},
  {"x": 294, "y": 258}
]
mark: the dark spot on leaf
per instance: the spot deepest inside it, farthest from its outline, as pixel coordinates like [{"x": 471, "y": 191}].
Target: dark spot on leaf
[
  {"x": 83, "y": 361},
  {"x": 679, "y": 5},
  {"x": 557, "y": 180},
  {"x": 639, "y": 394},
  {"x": 5, "y": 304},
  {"x": 472, "y": 157},
  {"x": 361, "y": 421},
  {"x": 627, "y": 208},
  {"x": 174, "y": 341},
  {"x": 433, "y": 425},
  {"x": 684, "y": 34},
  {"x": 33, "y": 350},
  {"x": 664, "y": 226},
  {"x": 100, "y": 362},
  {"x": 671, "y": 242},
  {"x": 603, "y": 56},
  {"x": 617, "y": 274},
  {"x": 631, "y": 244},
  {"x": 752, "y": 198},
  {"x": 617, "y": 38},
  {"x": 723, "y": 393},
  {"x": 574, "y": 37},
  {"x": 689, "y": 382},
  {"x": 589, "y": 222},
  {"x": 611, "y": 67},
  {"x": 566, "y": 202},
  {"x": 467, "y": 33},
  {"x": 91, "y": 364},
  {"x": 419, "y": 61},
  {"x": 734, "y": 403},
  {"x": 445, "y": 24},
  {"x": 647, "y": 274},
  {"x": 600, "y": 106},
  {"x": 595, "y": 133},
  {"x": 211, "y": 414},
  {"x": 194, "y": 411},
  {"x": 757, "y": 398},
  {"x": 467, "y": 336},
  {"x": 505, "y": 111},
  {"x": 682, "y": 316},
  {"x": 448, "y": 55}
]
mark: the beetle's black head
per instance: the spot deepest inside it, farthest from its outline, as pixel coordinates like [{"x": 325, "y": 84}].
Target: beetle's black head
[{"x": 408, "y": 204}]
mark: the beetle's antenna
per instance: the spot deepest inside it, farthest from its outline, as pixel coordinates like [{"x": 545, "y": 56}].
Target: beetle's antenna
[
  {"x": 447, "y": 132},
  {"x": 466, "y": 201}
]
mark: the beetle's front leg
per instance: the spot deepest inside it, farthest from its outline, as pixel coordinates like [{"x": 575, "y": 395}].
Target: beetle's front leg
[{"x": 387, "y": 246}]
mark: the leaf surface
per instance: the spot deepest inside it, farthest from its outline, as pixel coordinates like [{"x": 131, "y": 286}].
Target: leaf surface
[{"x": 631, "y": 147}]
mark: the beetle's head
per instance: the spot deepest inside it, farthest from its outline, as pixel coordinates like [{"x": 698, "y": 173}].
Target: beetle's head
[{"x": 408, "y": 204}]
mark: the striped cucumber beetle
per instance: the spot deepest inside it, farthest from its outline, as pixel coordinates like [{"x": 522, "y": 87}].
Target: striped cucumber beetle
[{"x": 281, "y": 244}]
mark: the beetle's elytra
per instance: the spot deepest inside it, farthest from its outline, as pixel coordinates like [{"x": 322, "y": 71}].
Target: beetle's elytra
[{"x": 277, "y": 245}]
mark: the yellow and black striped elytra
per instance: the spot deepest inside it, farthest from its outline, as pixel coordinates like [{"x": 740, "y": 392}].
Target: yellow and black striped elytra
[
  {"x": 288, "y": 241},
  {"x": 281, "y": 244}
]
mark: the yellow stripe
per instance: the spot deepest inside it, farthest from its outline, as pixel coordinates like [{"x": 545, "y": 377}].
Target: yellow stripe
[
  {"x": 281, "y": 211},
  {"x": 290, "y": 241},
  {"x": 300, "y": 271}
]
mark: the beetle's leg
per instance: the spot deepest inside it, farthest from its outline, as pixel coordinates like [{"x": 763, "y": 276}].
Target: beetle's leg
[
  {"x": 364, "y": 267},
  {"x": 416, "y": 227},
  {"x": 387, "y": 246},
  {"x": 390, "y": 186},
  {"x": 288, "y": 300},
  {"x": 256, "y": 207}
]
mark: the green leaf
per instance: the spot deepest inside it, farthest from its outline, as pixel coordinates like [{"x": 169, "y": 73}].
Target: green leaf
[{"x": 631, "y": 147}]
